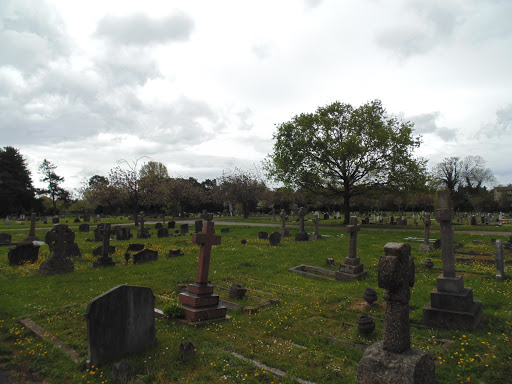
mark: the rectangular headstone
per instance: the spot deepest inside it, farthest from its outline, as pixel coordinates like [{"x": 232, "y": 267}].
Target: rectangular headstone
[
  {"x": 120, "y": 321},
  {"x": 145, "y": 256},
  {"x": 23, "y": 253}
]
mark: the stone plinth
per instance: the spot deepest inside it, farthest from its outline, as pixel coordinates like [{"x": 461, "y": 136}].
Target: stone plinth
[
  {"x": 351, "y": 268},
  {"x": 382, "y": 367}
]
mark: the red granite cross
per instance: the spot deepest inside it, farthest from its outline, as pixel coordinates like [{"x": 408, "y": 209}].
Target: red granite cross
[{"x": 205, "y": 239}]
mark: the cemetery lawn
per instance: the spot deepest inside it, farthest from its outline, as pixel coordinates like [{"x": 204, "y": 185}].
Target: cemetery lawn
[{"x": 309, "y": 332}]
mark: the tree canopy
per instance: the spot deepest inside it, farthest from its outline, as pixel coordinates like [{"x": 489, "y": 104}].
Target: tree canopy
[
  {"x": 16, "y": 188},
  {"x": 344, "y": 151},
  {"x": 54, "y": 190}
]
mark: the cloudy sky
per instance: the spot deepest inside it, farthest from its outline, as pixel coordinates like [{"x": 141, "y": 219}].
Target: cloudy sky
[{"x": 200, "y": 85}]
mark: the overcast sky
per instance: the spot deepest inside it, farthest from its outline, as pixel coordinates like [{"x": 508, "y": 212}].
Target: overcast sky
[{"x": 200, "y": 85}]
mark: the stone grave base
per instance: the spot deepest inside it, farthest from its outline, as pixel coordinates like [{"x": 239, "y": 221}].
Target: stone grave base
[
  {"x": 55, "y": 265},
  {"x": 313, "y": 272},
  {"x": 285, "y": 233},
  {"x": 200, "y": 304},
  {"x": 425, "y": 248},
  {"x": 382, "y": 367},
  {"x": 353, "y": 271},
  {"x": 445, "y": 318},
  {"x": 103, "y": 262},
  {"x": 301, "y": 236}
]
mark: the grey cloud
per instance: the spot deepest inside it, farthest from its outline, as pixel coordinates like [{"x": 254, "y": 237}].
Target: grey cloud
[
  {"x": 426, "y": 124},
  {"x": 139, "y": 29},
  {"x": 313, "y": 3},
  {"x": 501, "y": 127},
  {"x": 437, "y": 23},
  {"x": 262, "y": 50}
]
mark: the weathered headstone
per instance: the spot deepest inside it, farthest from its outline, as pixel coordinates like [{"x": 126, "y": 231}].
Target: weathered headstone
[
  {"x": 183, "y": 229},
  {"x": 123, "y": 233},
  {"x": 500, "y": 261},
  {"x": 83, "y": 228},
  {"x": 351, "y": 268},
  {"x": 163, "y": 232},
  {"x": 57, "y": 239},
  {"x": 98, "y": 232},
  {"x": 393, "y": 360},
  {"x": 55, "y": 220},
  {"x": 326, "y": 216},
  {"x": 187, "y": 351},
  {"x": 144, "y": 256},
  {"x": 237, "y": 291},
  {"x": 5, "y": 238},
  {"x": 87, "y": 217},
  {"x": 105, "y": 260},
  {"x": 23, "y": 253},
  {"x": 199, "y": 301},
  {"x": 274, "y": 239},
  {"x": 158, "y": 225},
  {"x": 72, "y": 250},
  {"x": 142, "y": 233},
  {"x": 99, "y": 250},
  {"x": 175, "y": 253},
  {"x": 425, "y": 247},
  {"x": 451, "y": 305},
  {"x": 120, "y": 321},
  {"x": 32, "y": 232},
  {"x": 302, "y": 235},
  {"x": 262, "y": 235},
  {"x": 198, "y": 226},
  {"x": 171, "y": 224},
  {"x": 283, "y": 230},
  {"x": 316, "y": 235}
]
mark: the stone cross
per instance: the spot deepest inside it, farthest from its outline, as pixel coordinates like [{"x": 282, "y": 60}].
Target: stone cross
[
  {"x": 444, "y": 215},
  {"x": 500, "y": 262},
  {"x": 205, "y": 239},
  {"x": 352, "y": 229},
  {"x": 396, "y": 276},
  {"x": 283, "y": 219},
  {"x": 106, "y": 240},
  {"x": 142, "y": 222},
  {"x": 57, "y": 239}
]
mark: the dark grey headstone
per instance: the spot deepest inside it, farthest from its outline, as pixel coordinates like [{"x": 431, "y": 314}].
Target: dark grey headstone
[
  {"x": 224, "y": 230},
  {"x": 237, "y": 291},
  {"x": 274, "y": 238},
  {"x": 83, "y": 228},
  {"x": 98, "y": 233},
  {"x": 123, "y": 233},
  {"x": 158, "y": 225},
  {"x": 72, "y": 250},
  {"x": 23, "y": 253},
  {"x": 262, "y": 235},
  {"x": 5, "y": 238},
  {"x": 55, "y": 220},
  {"x": 135, "y": 247},
  {"x": 183, "y": 228},
  {"x": 198, "y": 225},
  {"x": 120, "y": 321},
  {"x": 98, "y": 251},
  {"x": 171, "y": 224},
  {"x": 145, "y": 256},
  {"x": 163, "y": 232}
]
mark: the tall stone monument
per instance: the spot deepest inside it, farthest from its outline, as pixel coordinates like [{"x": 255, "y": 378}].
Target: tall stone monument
[
  {"x": 58, "y": 239},
  {"x": 451, "y": 305},
  {"x": 199, "y": 302},
  {"x": 142, "y": 233},
  {"x": 316, "y": 235},
  {"x": 302, "y": 235},
  {"x": 352, "y": 269},
  {"x": 500, "y": 261},
  {"x": 283, "y": 230},
  {"x": 392, "y": 360},
  {"x": 32, "y": 232},
  {"x": 425, "y": 247}
]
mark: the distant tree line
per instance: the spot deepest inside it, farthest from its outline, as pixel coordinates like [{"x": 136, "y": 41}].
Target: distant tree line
[{"x": 339, "y": 158}]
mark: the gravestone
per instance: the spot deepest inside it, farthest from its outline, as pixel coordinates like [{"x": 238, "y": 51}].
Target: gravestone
[
  {"x": 144, "y": 256},
  {"x": 473, "y": 220},
  {"x": 326, "y": 216},
  {"x": 87, "y": 217},
  {"x": 171, "y": 224},
  {"x": 175, "y": 253},
  {"x": 72, "y": 250},
  {"x": 99, "y": 250},
  {"x": 135, "y": 247},
  {"x": 451, "y": 305},
  {"x": 302, "y": 235},
  {"x": 237, "y": 291},
  {"x": 199, "y": 302},
  {"x": 104, "y": 260},
  {"x": 57, "y": 239},
  {"x": 425, "y": 247},
  {"x": 283, "y": 230},
  {"x": 274, "y": 239},
  {"x": 163, "y": 232},
  {"x": 23, "y": 253},
  {"x": 224, "y": 230},
  {"x": 352, "y": 269},
  {"x": 158, "y": 225},
  {"x": 5, "y": 238},
  {"x": 120, "y": 321},
  {"x": 142, "y": 233},
  {"x": 55, "y": 220},
  {"x": 187, "y": 351},
  {"x": 316, "y": 235},
  {"x": 500, "y": 261},
  {"x": 274, "y": 218},
  {"x": 198, "y": 226},
  {"x": 183, "y": 229},
  {"x": 32, "y": 232},
  {"x": 83, "y": 228},
  {"x": 262, "y": 235},
  {"x": 98, "y": 232},
  {"x": 392, "y": 360},
  {"x": 123, "y": 233}
]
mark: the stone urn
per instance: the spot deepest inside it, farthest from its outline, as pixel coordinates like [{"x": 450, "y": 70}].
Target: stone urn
[
  {"x": 370, "y": 295},
  {"x": 365, "y": 324},
  {"x": 428, "y": 263}
]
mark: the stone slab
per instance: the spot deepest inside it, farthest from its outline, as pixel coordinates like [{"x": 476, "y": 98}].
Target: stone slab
[
  {"x": 450, "y": 284},
  {"x": 342, "y": 276},
  {"x": 442, "y": 318},
  {"x": 193, "y": 300},
  {"x": 205, "y": 313}
]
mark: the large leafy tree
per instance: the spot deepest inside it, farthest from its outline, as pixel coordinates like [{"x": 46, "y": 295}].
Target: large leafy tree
[
  {"x": 16, "y": 189},
  {"x": 54, "y": 190},
  {"x": 344, "y": 151}
]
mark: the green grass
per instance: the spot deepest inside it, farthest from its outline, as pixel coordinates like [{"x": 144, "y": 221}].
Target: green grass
[{"x": 296, "y": 335}]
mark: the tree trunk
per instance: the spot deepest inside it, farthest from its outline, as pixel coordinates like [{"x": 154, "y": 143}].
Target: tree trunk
[{"x": 346, "y": 210}]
